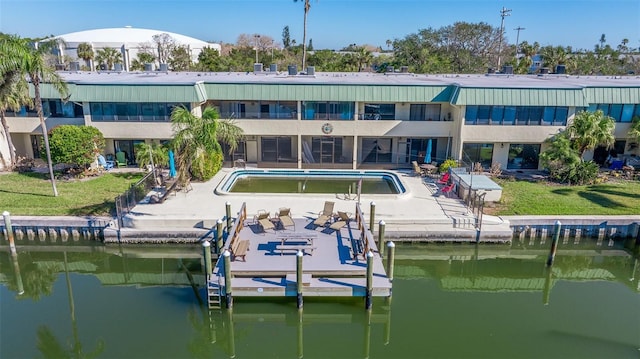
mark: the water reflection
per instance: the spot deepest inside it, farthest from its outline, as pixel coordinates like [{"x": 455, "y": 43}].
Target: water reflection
[{"x": 150, "y": 302}]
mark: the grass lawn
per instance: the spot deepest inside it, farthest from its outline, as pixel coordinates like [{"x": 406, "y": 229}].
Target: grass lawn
[
  {"x": 30, "y": 194},
  {"x": 542, "y": 198}
]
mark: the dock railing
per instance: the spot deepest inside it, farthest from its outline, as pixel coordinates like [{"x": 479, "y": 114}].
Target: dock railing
[
  {"x": 232, "y": 235},
  {"x": 365, "y": 233},
  {"x": 136, "y": 192}
]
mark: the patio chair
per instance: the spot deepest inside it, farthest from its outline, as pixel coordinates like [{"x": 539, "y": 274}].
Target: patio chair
[
  {"x": 284, "y": 217},
  {"x": 343, "y": 220},
  {"x": 325, "y": 215},
  {"x": 448, "y": 189},
  {"x": 263, "y": 219},
  {"x": 445, "y": 178},
  {"x": 107, "y": 165},
  {"x": 121, "y": 159}
]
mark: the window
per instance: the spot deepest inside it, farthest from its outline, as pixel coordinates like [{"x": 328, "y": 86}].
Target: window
[
  {"x": 376, "y": 150},
  {"x": 327, "y": 110},
  {"x": 523, "y": 156},
  {"x": 471, "y": 114},
  {"x": 276, "y": 149},
  {"x": 380, "y": 111},
  {"x": 424, "y": 112},
  {"x": 478, "y": 152}
]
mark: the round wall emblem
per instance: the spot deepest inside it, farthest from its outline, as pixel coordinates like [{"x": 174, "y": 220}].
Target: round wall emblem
[{"x": 327, "y": 128}]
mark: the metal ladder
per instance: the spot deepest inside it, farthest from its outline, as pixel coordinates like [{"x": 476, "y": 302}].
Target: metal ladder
[{"x": 214, "y": 290}]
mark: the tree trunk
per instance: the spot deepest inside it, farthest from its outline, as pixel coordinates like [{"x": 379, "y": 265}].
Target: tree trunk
[
  {"x": 38, "y": 102},
  {"x": 12, "y": 149}
]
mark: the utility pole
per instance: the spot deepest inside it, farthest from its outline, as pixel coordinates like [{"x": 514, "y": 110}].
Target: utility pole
[
  {"x": 256, "y": 37},
  {"x": 504, "y": 12},
  {"x": 518, "y": 29}
]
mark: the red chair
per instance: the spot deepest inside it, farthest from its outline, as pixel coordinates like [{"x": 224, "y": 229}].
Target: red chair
[
  {"x": 447, "y": 189},
  {"x": 445, "y": 178}
]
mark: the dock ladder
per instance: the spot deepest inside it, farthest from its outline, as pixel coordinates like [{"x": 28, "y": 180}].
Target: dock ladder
[{"x": 214, "y": 291}]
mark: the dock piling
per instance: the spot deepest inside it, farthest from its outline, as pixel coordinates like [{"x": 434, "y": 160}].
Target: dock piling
[
  {"x": 299, "y": 283},
  {"x": 227, "y": 206},
  {"x": 219, "y": 236},
  {"x": 206, "y": 249},
  {"x": 381, "y": 226},
  {"x": 227, "y": 279},
  {"x": 554, "y": 243},
  {"x": 7, "y": 225},
  {"x": 372, "y": 216},
  {"x": 369, "y": 280},
  {"x": 390, "y": 259}
]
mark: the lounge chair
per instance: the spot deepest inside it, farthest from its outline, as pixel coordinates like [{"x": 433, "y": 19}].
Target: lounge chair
[
  {"x": 121, "y": 159},
  {"x": 263, "y": 220},
  {"x": 341, "y": 222},
  {"x": 325, "y": 215},
  {"x": 284, "y": 217},
  {"x": 107, "y": 165}
]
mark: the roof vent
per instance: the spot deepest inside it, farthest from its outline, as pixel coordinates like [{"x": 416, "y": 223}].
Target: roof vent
[
  {"x": 544, "y": 70},
  {"x": 390, "y": 69},
  {"x": 164, "y": 67},
  {"x": 507, "y": 69},
  {"x": 560, "y": 69},
  {"x": 311, "y": 70},
  {"x": 404, "y": 69},
  {"x": 491, "y": 70},
  {"x": 148, "y": 66},
  {"x": 117, "y": 67},
  {"x": 257, "y": 68},
  {"x": 273, "y": 68},
  {"x": 74, "y": 66}
]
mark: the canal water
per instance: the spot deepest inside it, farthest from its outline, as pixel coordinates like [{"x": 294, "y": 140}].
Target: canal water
[{"x": 460, "y": 301}]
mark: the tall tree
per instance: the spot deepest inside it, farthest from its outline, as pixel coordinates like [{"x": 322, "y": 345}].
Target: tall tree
[
  {"x": 164, "y": 43},
  {"x": 141, "y": 59},
  {"x": 209, "y": 60},
  {"x": 180, "y": 58},
  {"x": 286, "y": 37},
  {"x": 591, "y": 129},
  {"x": 634, "y": 131},
  {"x": 196, "y": 142},
  {"x": 13, "y": 98},
  {"x": 22, "y": 57},
  {"x": 85, "y": 52},
  {"x": 307, "y": 6},
  {"x": 108, "y": 57}
]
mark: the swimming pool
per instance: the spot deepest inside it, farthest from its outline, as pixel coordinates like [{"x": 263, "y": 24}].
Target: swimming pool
[{"x": 311, "y": 182}]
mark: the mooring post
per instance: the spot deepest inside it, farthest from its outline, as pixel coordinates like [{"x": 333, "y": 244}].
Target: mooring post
[
  {"x": 390, "y": 258},
  {"x": 372, "y": 215},
  {"x": 381, "y": 226},
  {"x": 554, "y": 243},
  {"x": 206, "y": 249},
  {"x": 9, "y": 229},
  {"x": 219, "y": 232},
  {"x": 300, "y": 335},
  {"x": 299, "y": 283},
  {"x": 228, "y": 209},
  {"x": 231, "y": 334},
  {"x": 369, "y": 280},
  {"x": 546, "y": 291},
  {"x": 367, "y": 334},
  {"x": 227, "y": 279}
]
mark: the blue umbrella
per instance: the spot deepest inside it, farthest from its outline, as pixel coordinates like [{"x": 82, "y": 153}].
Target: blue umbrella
[
  {"x": 172, "y": 165},
  {"x": 427, "y": 157}
]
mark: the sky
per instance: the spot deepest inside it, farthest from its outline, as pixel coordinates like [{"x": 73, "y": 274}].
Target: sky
[{"x": 333, "y": 24}]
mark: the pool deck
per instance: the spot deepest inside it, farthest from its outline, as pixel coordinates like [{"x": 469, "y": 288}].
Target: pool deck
[{"x": 422, "y": 214}]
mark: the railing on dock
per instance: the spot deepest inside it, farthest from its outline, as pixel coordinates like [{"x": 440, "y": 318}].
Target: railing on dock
[
  {"x": 136, "y": 192},
  {"x": 215, "y": 283},
  {"x": 365, "y": 234}
]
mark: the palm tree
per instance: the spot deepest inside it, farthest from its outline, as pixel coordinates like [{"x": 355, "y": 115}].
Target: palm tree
[
  {"x": 591, "y": 129},
  {"x": 634, "y": 131},
  {"x": 363, "y": 57},
  {"x": 307, "y": 6},
  {"x": 196, "y": 142},
  {"x": 85, "y": 52},
  {"x": 31, "y": 62},
  {"x": 146, "y": 152},
  {"x": 108, "y": 56},
  {"x": 13, "y": 99}
]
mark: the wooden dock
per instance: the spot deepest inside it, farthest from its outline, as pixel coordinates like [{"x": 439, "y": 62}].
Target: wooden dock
[{"x": 330, "y": 269}]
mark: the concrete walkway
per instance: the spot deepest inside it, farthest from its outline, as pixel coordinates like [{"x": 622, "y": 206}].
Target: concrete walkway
[{"x": 420, "y": 214}]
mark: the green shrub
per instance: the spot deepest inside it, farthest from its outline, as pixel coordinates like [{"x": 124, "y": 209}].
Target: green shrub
[
  {"x": 75, "y": 145},
  {"x": 449, "y": 163},
  {"x": 205, "y": 167}
]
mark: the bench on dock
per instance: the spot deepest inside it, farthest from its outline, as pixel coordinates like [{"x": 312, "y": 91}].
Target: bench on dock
[
  {"x": 305, "y": 248},
  {"x": 357, "y": 247},
  {"x": 239, "y": 249}
]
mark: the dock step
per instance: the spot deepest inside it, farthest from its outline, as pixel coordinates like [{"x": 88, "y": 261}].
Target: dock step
[{"x": 214, "y": 292}]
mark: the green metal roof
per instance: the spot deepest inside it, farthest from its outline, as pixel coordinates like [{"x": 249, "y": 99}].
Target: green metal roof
[
  {"x": 617, "y": 95},
  {"x": 131, "y": 93},
  {"x": 326, "y": 92},
  {"x": 48, "y": 91},
  {"x": 520, "y": 97}
]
